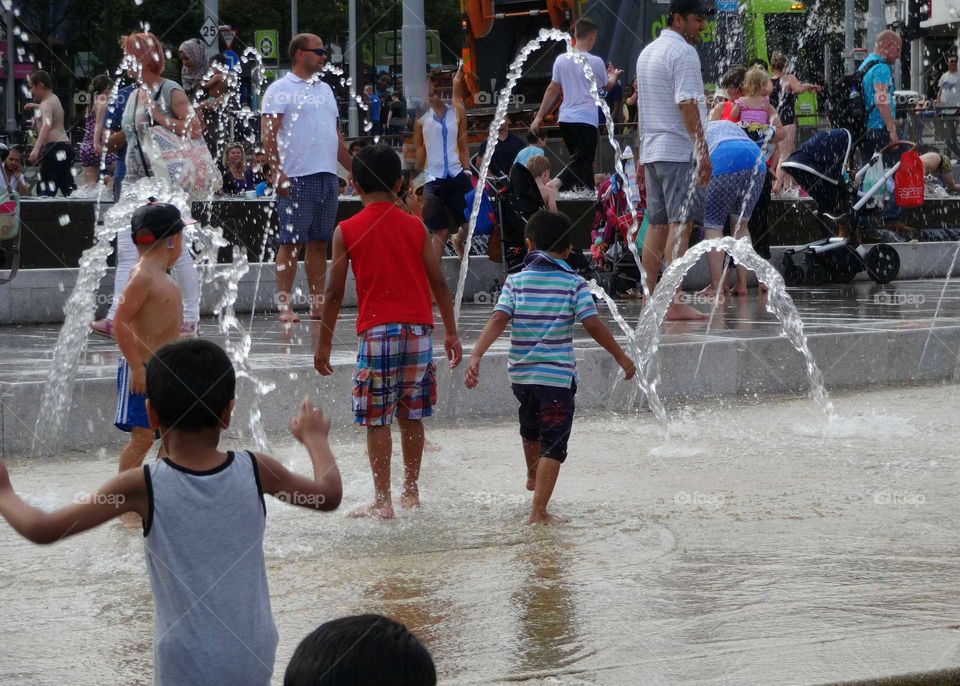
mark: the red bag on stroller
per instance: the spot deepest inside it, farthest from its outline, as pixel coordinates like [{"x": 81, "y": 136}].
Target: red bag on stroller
[{"x": 908, "y": 180}]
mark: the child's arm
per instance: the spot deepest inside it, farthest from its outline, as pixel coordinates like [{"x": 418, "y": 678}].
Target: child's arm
[
  {"x": 438, "y": 284},
  {"x": 332, "y": 300},
  {"x": 601, "y": 334},
  {"x": 735, "y": 112},
  {"x": 126, "y": 492},
  {"x": 495, "y": 325},
  {"x": 325, "y": 490},
  {"x": 551, "y": 199},
  {"x": 131, "y": 302}
]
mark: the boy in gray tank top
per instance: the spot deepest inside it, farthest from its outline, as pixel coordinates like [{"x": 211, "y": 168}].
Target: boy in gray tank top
[{"x": 203, "y": 518}]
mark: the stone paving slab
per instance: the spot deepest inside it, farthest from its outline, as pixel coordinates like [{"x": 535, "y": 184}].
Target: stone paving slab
[{"x": 860, "y": 334}]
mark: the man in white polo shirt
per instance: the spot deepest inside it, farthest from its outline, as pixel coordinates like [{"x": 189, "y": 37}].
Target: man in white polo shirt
[
  {"x": 303, "y": 146},
  {"x": 673, "y": 149},
  {"x": 579, "y": 113}
]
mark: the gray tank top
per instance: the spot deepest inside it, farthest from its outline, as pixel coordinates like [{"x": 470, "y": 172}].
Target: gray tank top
[{"x": 204, "y": 548}]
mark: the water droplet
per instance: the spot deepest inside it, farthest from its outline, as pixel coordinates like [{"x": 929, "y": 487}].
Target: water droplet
[
  {"x": 64, "y": 219},
  {"x": 60, "y": 287},
  {"x": 294, "y": 376}
]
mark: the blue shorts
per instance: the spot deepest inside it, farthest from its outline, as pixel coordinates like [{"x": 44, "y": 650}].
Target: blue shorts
[
  {"x": 309, "y": 212},
  {"x": 443, "y": 196},
  {"x": 546, "y": 415},
  {"x": 131, "y": 407}
]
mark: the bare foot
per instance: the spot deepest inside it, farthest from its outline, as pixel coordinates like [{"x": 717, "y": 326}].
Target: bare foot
[
  {"x": 130, "y": 520},
  {"x": 373, "y": 510},
  {"x": 431, "y": 447},
  {"x": 458, "y": 245},
  {"x": 288, "y": 316},
  {"x": 740, "y": 290},
  {"x": 410, "y": 499},
  {"x": 679, "y": 311},
  {"x": 547, "y": 518}
]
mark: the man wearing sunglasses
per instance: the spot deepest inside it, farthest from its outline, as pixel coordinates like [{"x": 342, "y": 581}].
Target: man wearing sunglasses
[
  {"x": 948, "y": 97},
  {"x": 303, "y": 145}
]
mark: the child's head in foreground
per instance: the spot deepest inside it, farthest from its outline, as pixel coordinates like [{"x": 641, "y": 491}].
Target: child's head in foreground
[
  {"x": 190, "y": 386},
  {"x": 550, "y": 232},
  {"x": 376, "y": 169},
  {"x": 159, "y": 226},
  {"x": 361, "y": 651}
]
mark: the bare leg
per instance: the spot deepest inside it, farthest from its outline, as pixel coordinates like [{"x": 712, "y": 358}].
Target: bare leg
[
  {"x": 742, "y": 232},
  {"x": 131, "y": 457},
  {"x": 785, "y": 148},
  {"x": 715, "y": 262},
  {"x": 379, "y": 449},
  {"x": 459, "y": 240},
  {"x": 547, "y": 472},
  {"x": 315, "y": 264},
  {"x": 531, "y": 454},
  {"x": 652, "y": 254},
  {"x": 411, "y": 442},
  {"x": 141, "y": 440},
  {"x": 439, "y": 241},
  {"x": 286, "y": 271},
  {"x": 677, "y": 242}
]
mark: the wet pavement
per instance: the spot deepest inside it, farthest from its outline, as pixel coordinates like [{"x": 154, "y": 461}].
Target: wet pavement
[
  {"x": 759, "y": 545},
  {"x": 25, "y": 351}
]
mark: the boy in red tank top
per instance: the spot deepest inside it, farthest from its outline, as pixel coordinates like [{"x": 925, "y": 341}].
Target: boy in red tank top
[{"x": 395, "y": 269}]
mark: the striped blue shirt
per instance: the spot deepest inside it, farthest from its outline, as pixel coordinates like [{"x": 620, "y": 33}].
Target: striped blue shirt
[{"x": 543, "y": 301}]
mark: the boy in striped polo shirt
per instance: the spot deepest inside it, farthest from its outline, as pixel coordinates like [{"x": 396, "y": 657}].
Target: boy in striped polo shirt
[{"x": 543, "y": 301}]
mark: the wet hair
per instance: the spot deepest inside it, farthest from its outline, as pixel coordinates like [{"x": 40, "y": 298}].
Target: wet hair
[
  {"x": 147, "y": 50},
  {"x": 533, "y": 137},
  {"x": 760, "y": 62},
  {"x": 357, "y": 144},
  {"x": 755, "y": 82},
  {"x": 376, "y": 169},
  {"x": 361, "y": 650},
  {"x": 41, "y": 78},
  {"x": 537, "y": 165},
  {"x": 733, "y": 78},
  {"x": 584, "y": 27},
  {"x": 778, "y": 61},
  {"x": 549, "y": 231},
  {"x": 189, "y": 384}
]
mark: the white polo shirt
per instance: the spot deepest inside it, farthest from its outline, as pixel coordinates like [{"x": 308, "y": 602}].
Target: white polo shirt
[
  {"x": 668, "y": 73},
  {"x": 578, "y": 106},
  {"x": 308, "y": 138}
]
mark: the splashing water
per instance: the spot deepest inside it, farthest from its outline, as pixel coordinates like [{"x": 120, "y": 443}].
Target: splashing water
[
  {"x": 779, "y": 303},
  {"x": 641, "y": 378},
  {"x": 943, "y": 291}
]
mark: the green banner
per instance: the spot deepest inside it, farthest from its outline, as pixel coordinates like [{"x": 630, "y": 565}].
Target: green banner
[{"x": 386, "y": 48}]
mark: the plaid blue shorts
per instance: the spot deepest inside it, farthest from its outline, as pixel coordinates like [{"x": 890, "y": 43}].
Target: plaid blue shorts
[
  {"x": 309, "y": 212},
  {"x": 395, "y": 374}
]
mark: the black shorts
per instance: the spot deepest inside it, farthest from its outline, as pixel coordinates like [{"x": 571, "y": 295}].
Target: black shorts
[
  {"x": 442, "y": 196},
  {"x": 546, "y": 415}
]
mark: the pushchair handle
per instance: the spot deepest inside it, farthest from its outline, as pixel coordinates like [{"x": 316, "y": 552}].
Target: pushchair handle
[{"x": 911, "y": 146}]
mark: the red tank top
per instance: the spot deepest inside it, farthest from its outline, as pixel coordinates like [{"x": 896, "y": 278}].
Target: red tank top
[
  {"x": 385, "y": 245},
  {"x": 727, "y": 111}
]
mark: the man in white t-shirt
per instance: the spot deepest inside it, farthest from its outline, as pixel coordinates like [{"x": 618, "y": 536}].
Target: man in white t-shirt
[
  {"x": 948, "y": 96},
  {"x": 303, "y": 146},
  {"x": 579, "y": 116},
  {"x": 671, "y": 117}
]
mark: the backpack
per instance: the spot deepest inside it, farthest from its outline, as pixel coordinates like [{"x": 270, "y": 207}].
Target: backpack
[{"x": 846, "y": 104}]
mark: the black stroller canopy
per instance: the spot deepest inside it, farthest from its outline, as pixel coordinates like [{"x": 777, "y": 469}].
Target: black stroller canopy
[{"x": 818, "y": 165}]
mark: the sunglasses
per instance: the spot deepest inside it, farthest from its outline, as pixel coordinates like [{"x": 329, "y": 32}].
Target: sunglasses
[{"x": 319, "y": 52}]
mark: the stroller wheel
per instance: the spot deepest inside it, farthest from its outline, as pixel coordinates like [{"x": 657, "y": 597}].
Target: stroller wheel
[
  {"x": 883, "y": 263},
  {"x": 792, "y": 274},
  {"x": 815, "y": 272}
]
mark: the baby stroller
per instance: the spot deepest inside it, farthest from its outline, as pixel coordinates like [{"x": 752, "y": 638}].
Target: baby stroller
[
  {"x": 515, "y": 200},
  {"x": 818, "y": 166},
  {"x": 610, "y": 254}
]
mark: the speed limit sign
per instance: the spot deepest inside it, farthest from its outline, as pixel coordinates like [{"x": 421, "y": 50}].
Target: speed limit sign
[{"x": 209, "y": 32}]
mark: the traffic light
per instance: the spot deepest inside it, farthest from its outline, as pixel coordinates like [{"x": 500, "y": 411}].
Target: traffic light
[{"x": 917, "y": 11}]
